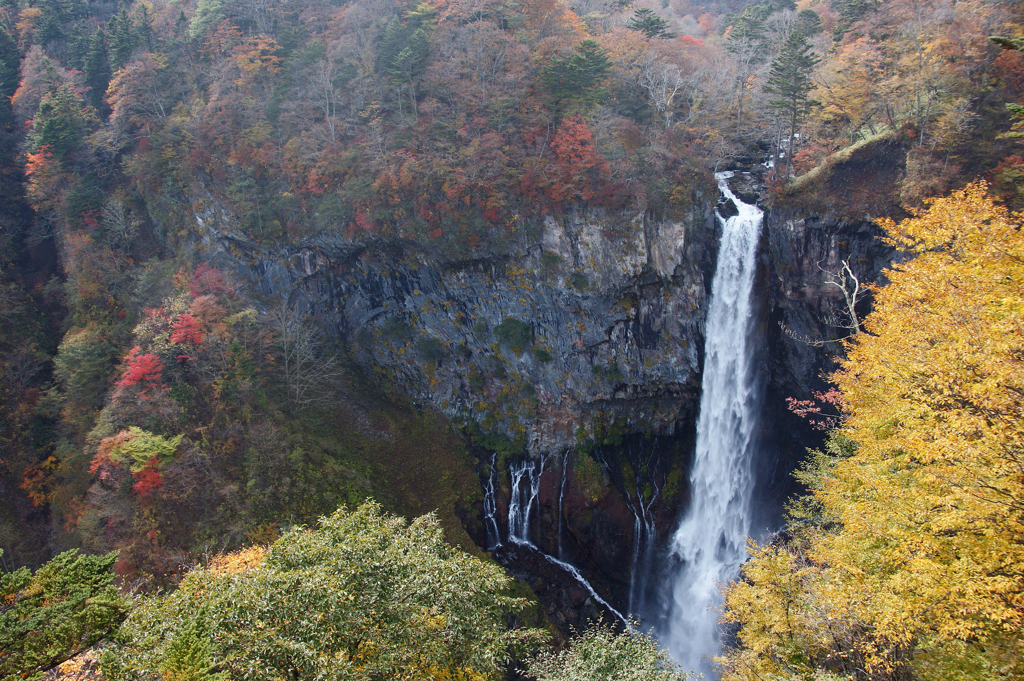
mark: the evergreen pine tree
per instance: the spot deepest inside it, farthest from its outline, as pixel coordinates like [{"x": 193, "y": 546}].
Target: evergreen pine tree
[
  {"x": 51, "y": 23},
  {"x": 850, "y": 12},
  {"x": 578, "y": 77},
  {"x": 79, "y": 42},
  {"x": 181, "y": 28},
  {"x": 1016, "y": 110},
  {"x": 121, "y": 39},
  {"x": 60, "y": 123},
  {"x": 10, "y": 57},
  {"x": 145, "y": 26},
  {"x": 405, "y": 47},
  {"x": 97, "y": 71},
  {"x": 808, "y": 22},
  {"x": 650, "y": 24},
  {"x": 790, "y": 80}
]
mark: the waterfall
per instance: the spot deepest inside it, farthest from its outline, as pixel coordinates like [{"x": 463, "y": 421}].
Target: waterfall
[
  {"x": 711, "y": 539},
  {"x": 584, "y": 583},
  {"x": 561, "y": 495},
  {"x": 491, "y": 508},
  {"x": 644, "y": 532},
  {"x": 518, "y": 511}
]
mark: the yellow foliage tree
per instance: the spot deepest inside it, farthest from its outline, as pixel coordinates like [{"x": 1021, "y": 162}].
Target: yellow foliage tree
[{"x": 919, "y": 570}]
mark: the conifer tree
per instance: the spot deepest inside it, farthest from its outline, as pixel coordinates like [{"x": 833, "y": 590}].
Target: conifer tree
[
  {"x": 650, "y": 24},
  {"x": 121, "y": 39},
  {"x": 1016, "y": 110},
  {"x": 577, "y": 77},
  {"x": 790, "y": 80},
  {"x": 405, "y": 47},
  {"x": 79, "y": 42},
  {"x": 97, "y": 70},
  {"x": 61, "y": 123},
  {"x": 51, "y": 24},
  {"x": 145, "y": 26},
  {"x": 850, "y": 12},
  {"x": 9, "y": 60}
]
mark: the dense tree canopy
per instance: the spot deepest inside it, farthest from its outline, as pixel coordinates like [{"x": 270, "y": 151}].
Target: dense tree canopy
[
  {"x": 362, "y": 596},
  {"x": 66, "y": 607},
  {"x": 147, "y": 406},
  {"x": 601, "y": 654}
]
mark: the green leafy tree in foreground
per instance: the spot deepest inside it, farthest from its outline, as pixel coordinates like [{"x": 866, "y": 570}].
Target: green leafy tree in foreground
[
  {"x": 600, "y": 654},
  {"x": 66, "y": 607},
  {"x": 363, "y": 596}
]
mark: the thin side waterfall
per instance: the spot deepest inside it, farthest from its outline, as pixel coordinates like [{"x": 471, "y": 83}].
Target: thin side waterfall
[
  {"x": 561, "y": 495},
  {"x": 644, "y": 535},
  {"x": 585, "y": 584},
  {"x": 491, "y": 508},
  {"x": 519, "y": 511},
  {"x": 711, "y": 538}
]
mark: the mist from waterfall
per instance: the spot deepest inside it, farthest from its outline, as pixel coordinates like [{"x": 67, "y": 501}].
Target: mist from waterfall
[{"x": 711, "y": 539}]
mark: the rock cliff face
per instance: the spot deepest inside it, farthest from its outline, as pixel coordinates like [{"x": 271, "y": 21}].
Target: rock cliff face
[
  {"x": 598, "y": 313},
  {"x": 582, "y": 344},
  {"x": 804, "y": 254}
]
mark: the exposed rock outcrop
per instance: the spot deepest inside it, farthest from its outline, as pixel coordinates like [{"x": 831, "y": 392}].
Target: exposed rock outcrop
[{"x": 598, "y": 313}]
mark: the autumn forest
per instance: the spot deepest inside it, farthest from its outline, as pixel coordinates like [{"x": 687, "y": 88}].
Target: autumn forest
[{"x": 236, "y": 442}]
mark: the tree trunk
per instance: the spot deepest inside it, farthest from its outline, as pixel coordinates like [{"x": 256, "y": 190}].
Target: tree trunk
[{"x": 792, "y": 136}]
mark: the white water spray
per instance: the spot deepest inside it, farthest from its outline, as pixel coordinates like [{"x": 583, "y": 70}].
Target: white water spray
[
  {"x": 561, "y": 495},
  {"x": 644, "y": 534},
  {"x": 711, "y": 539}
]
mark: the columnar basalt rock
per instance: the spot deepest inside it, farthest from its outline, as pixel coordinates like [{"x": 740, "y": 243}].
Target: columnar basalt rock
[{"x": 600, "y": 313}]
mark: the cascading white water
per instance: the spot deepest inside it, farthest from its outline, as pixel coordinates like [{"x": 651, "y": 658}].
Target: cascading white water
[
  {"x": 644, "y": 533},
  {"x": 561, "y": 495},
  {"x": 518, "y": 511},
  {"x": 491, "y": 508},
  {"x": 711, "y": 538},
  {"x": 585, "y": 584}
]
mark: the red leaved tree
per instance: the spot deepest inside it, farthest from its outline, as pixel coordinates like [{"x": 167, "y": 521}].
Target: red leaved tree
[
  {"x": 148, "y": 480},
  {"x": 143, "y": 370},
  {"x": 208, "y": 279},
  {"x": 186, "y": 329},
  {"x": 580, "y": 170}
]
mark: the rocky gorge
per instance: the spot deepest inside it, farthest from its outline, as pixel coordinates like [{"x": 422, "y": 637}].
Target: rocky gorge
[{"x": 579, "y": 348}]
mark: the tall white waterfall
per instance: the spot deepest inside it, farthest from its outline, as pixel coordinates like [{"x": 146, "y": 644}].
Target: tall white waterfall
[{"x": 711, "y": 538}]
